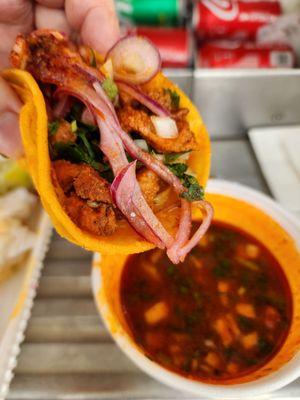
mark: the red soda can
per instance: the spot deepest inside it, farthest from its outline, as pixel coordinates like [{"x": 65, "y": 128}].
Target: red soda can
[
  {"x": 234, "y": 19},
  {"x": 174, "y": 44},
  {"x": 234, "y": 54}
]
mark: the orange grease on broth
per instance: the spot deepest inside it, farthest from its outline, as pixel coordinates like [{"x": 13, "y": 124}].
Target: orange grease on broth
[{"x": 222, "y": 314}]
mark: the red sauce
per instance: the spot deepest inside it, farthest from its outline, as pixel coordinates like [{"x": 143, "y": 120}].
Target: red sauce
[{"x": 220, "y": 315}]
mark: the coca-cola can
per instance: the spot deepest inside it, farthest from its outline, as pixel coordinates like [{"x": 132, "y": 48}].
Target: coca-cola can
[
  {"x": 235, "y": 54},
  {"x": 233, "y": 19},
  {"x": 174, "y": 44}
]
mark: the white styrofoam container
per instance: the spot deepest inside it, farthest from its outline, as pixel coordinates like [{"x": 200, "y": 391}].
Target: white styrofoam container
[{"x": 16, "y": 299}]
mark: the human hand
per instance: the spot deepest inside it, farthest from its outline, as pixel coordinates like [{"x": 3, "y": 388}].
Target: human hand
[{"x": 93, "y": 21}]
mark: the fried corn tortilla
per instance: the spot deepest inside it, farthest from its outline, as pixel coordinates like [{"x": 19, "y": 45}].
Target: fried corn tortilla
[{"x": 34, "y": 132}]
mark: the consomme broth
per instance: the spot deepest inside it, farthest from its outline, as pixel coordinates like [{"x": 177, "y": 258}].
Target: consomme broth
[{"x": 221, "y": 314}]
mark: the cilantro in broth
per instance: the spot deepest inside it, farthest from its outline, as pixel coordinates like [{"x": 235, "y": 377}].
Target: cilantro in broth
[{"x": 223, "y": 269}]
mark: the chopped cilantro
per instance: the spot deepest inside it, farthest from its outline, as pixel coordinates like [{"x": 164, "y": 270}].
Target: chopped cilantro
[
  {"x": 171, "y": 157},
  {"x": 195, "y": 192},
  {"x": 250, "y": 361},
  {"x": 74, "y": 126},
  {"x": 183, "y": 289},
  {"x": 223, "y": 269},
  {"x": 189, "y": 180},
  {"x": 175, "y": 98},
  {"x": 74, "y": 153},
  {"x": 53, "y": 127},
  {"x": 192, "y": 318},
  {"x": 198, "y": 298},
  {"x": 86, "y": 143},
  {"x": 229, "y": 352},
  {"x": 171, "y": 269},
  {"x": 110, "y": 88},
  {"x": 178, "y": 169},
  {"x": 265, "y": 347},
  {"x": 246, "y": 324}
]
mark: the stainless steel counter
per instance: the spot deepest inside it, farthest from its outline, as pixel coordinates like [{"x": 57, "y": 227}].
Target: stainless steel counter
[{"x": 67, "y": 353}]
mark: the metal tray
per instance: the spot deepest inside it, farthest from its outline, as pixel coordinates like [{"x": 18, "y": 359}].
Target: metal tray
[{"x": 232, "y": 101}]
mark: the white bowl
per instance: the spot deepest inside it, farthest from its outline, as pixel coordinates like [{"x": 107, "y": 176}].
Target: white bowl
[{"x": 275, "y": 380}]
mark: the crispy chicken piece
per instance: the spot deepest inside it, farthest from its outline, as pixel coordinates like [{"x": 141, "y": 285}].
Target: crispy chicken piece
[
  {"x": 138, "y": 120},
  {"x": 149, "y": 184},
  {"x": 63, "y": 134},
  {"x": 85, "y": 197},
  {"x": 44, "y": 53},
  {"x": 66, "y": 172},
  {"x": 51, "y": 58},
  {"x": 58, "y": 189},
  {"x": 99, "y": 221},
  {"x": 159, "y": 95},
  {"x": 162, "y": 97},
  {"x": 89, "y": 185}
]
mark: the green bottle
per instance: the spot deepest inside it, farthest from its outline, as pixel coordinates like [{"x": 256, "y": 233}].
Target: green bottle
[{"x": 151, "y": 12}]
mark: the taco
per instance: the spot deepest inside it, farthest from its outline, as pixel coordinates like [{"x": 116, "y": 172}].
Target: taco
[{"x": 117, "y": 152}]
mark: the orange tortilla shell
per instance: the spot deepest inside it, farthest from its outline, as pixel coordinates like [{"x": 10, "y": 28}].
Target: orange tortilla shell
[{"x": 34, "y": 131}]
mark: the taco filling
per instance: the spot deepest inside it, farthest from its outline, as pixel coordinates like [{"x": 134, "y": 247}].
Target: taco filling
[{"x": 118, "y": 147}]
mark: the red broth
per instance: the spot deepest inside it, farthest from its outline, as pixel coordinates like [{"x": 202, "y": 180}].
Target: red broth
[{"x": 220, "y": 315}]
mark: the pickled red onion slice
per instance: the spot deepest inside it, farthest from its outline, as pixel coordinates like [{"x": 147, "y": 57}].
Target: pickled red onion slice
[
  {"x": 128, "y": 197},
  {"x": 135, "y": 59},
  {"x": 144, "y": 99}
]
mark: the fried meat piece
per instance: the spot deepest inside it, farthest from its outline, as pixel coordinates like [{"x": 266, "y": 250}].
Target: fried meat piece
[
  {"x": 149, "y": 184},
  {"x": 47, "y": 55},
  {"x": 138, "y": 120},
  {"x": 51, "y": 58},
  {"x": 99, "y": 221},
  {"x": 86, "y": 182},
  {"x": 63, "y": 134},
  {"x": 134, "y": 117},
  {"x": 89, "y": 185},
  {"x": 162, "y": 97},
  {"x": 85, "y": 196},
  {"x": 66, "y": 173}
]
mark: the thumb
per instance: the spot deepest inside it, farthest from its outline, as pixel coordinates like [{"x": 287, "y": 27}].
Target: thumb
[
  {"x": 10, "y": 106},
  {"x": 95, "y": 20}
]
